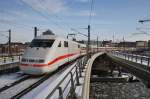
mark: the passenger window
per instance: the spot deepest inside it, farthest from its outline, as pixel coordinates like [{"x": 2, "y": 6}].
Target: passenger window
[
  {"x": 59, "y": 44},
  {"x": 65, "y": 44}
]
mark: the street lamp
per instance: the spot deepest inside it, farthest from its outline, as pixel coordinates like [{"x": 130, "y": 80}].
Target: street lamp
[{"x": 88, "y": 43}]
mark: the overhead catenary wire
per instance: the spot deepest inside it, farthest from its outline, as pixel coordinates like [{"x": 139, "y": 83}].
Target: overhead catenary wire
[
  {"x": 4, "y": 34},
  {"x": 91, "y": 11},
  {"x": 11, "y": 21},
  {"x": 36, "y": 11},
  {"x": 47, "y": 17},
  {"x": 15, "y": 24},
  {"x": 56, "y": 16}
]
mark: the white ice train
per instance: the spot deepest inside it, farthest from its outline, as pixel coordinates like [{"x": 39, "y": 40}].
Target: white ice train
[{"x": 47, "y": 52}]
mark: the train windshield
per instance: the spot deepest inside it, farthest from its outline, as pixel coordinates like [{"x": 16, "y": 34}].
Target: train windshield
[{"x": 41, "y": 43}]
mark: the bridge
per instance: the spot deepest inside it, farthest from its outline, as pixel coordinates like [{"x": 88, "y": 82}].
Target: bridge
[{"x": 83, "y": 78}]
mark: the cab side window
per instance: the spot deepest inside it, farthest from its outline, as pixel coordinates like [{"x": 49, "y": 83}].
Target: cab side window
[
  {"x": 65, "y": 44},
  {"x": 59, "y": 44}
]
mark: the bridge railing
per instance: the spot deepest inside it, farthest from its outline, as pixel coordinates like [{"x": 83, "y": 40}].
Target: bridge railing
[
  {"x": 145, "y": 60},
  {"x": 86, "y": 84},
  {"x": 67, "y": 86}
]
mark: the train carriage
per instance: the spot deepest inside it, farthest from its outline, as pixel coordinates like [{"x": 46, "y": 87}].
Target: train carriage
[{"x": 47, "y": 52}]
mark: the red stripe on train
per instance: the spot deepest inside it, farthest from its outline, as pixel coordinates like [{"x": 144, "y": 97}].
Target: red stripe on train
[{"x": 49, "y": 63}]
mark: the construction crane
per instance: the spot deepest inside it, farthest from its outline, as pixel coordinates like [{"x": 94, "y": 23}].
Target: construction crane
[
  {"x": 141, "y": 32},
  {"x": 134, "y": 34},
  {"x": 142, "y": 21}
]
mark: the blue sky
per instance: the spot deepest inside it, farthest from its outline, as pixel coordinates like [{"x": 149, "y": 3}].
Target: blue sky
[{"x": 118, "y": 17}]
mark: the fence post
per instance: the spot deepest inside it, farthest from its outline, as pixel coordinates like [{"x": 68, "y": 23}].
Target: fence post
[
  {"x": 72, "y": 83},
  {"x": 80, "y": 72},
  {"x": 84, "y": 61},
  {"x": 81, "y": 65},
  {"x": 77, "y": 77},
  {"x": 72, "y": 89},
  {"x": 128, "y": 56},
  {"x": 12, "y": 58},
  {"x": 141, "y": 60},
  {"x": 60, "y": 93},
  {"x": 136, "y": 59},
  {"x": 4, "y": 60},
  {"x": 19, "y": 57},
  {"x": 148, "y": 61},
  {"x": 132, "y": 57}
]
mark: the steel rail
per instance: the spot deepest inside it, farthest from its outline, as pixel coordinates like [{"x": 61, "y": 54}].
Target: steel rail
[
  {"x": 37, "y": 83},
  {"x": 25, "y": 91},
  {"x": 14, "y": 83}
]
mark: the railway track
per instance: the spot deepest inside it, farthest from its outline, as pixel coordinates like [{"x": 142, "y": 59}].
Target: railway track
[
  {"x": 32, "y": 86},
  {"x": 10, "y": 79},
  {"x": 23, "y": 86},
  {"x": 7, "y": 86},
  {"x": 17, "y": 88}
]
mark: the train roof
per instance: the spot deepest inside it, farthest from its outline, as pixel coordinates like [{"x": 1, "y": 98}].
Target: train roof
[{"x": 46, "y": 37}]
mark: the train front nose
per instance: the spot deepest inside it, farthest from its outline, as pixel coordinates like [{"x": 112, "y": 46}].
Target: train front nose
[
  {"x": 34, "y": 60},
  {"x": 29, "y": 69},
  {"x": 33, "y": 66}
]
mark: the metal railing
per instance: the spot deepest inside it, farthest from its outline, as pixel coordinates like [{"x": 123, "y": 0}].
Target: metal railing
[
  {"x": 145, "y": 60},
  {"x": 8, "y": 59},
  {"x": 9, "y": 64},
  {"x": 67, "y": 86}
]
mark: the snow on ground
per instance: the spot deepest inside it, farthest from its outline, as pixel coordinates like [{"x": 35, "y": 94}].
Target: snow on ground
[
  {"x": 79, "y": 91},
  {"x": 9, "y": 93},
  {"x": 42, "y": 91},
  {"x": 7, "y": 79},
  {"x": 79, "y": 88}
]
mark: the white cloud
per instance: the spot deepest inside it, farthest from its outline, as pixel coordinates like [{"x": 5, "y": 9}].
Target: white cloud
[
  {"x": 86, "y": 13},
  {"x": 16, "y": 15},
  {"x": 83, "y": 1},
  {"x": 51, "y": 6}
]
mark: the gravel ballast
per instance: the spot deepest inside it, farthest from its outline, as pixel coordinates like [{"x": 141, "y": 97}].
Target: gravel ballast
[{"x": 109, "y": 90}]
